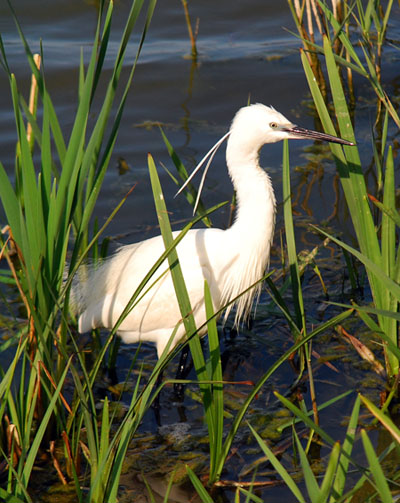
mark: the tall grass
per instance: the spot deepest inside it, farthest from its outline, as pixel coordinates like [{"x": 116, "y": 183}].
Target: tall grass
[
  {"x": 46, "y": 206},
  {"x": 343, "y": 475},
  {"x": 377, "y": 250},
  {"x": 49, "y": 206},
  {"x": 377, "y": 238}
]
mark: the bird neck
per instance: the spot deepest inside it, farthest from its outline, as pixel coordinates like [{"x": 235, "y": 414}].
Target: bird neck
[
  {"x": 248, "y": 241},
  {"x": 255, "y": 215}
]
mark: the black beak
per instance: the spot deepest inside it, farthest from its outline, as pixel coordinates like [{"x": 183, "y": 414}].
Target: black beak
[{"x": 302, "y": 133}]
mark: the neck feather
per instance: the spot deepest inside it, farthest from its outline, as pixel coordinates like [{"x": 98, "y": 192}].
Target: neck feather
[{"x": 252, "y": 232}]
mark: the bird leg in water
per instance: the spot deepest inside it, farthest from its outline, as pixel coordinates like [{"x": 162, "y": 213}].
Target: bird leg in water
[
  {"x": 179, "y": 388},
  {"x": 183, "y": 371},
  {"x": 156, "y": 402}
]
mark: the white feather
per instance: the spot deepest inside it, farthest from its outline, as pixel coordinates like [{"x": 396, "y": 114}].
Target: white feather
[{"x": 230, "y": 260}]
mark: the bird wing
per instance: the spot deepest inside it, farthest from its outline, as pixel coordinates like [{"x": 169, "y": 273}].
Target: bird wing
[{"x": 111, "y": 286}]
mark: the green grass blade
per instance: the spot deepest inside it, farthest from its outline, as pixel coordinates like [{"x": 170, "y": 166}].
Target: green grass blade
[
  {"x": 391, "y": 213},
  {"x": 347, "y": 449},
  {"x": 46, "y": 171},
  {"x": 382, "y": 418},
  {"x": 99, "y": 482},
  {"x": 362, "y": 217},
  {"x": 388, "y": 245},
  {"x": 281, "y": 470},
  {"x": 330, "y": 473},
  {"x": 250, "y": 496},
  {"x": 313, "y": 489},
  {"x": 179, "y": 285},
  {"x": 376, "y": 470},
  {"x": 86, "y": 399},
  {"x": 291, "y": 243},
  {"x": 342, "y": 35},
  {"x": 386, "y": 19},
  {"x": 190, "y": 192},
  {"x": 105, "y": 430},
  {"x": 372, "y": 267},
  {"x": 105, "y": 36},
  {"x": 329, "y": 128},
  {"x": 305, "y": 418},
  {"x": 201, "y": 491},
  {"x": 370, "y": 309},
  {"x": 182, "y": 295},
  {"x": 11, "y": 207},
  {"x": 9, "y": 498},
  {"x": 29, "y": 188},
  {"x": 281, "y": 304},
  {"x": 214, "y": 371},
  {"x": 320, "y": 407}
]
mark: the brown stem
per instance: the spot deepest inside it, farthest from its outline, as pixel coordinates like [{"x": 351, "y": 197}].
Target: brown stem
[{"x": 190, "y": 31}]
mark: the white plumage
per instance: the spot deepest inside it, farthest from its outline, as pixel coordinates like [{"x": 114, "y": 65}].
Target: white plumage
[{"x": 230, "y": 260}]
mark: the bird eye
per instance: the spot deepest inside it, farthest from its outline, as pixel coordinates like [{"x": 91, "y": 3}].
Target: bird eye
[{"x": 273, "y": 125}]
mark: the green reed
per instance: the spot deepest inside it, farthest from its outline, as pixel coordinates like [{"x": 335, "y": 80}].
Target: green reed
[
  {"x": 46, "y": 205},
  {"x": 378, "y": 253},
  {"x": 377, "y": 250},
  {"x": 340, "y": 464}
]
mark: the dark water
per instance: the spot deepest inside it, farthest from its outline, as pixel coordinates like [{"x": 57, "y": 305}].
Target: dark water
[{"x": 245, "y": 50}]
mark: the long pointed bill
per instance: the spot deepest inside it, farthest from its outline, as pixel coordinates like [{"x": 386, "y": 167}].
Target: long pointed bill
[{"x": 297, "y": 132}]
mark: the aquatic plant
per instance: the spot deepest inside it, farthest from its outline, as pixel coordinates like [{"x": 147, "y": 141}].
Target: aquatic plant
[
  {"x": 48, "y": 400},
  {"x": 44, "y": 207},
  {"x": 379, "y": 256}
]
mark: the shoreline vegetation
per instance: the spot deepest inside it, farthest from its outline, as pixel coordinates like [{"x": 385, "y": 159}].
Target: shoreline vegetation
[{"x": 49, "y": 406}]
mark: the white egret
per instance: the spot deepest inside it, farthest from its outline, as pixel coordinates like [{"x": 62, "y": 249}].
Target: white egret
[{"x": 230, "y": 260}]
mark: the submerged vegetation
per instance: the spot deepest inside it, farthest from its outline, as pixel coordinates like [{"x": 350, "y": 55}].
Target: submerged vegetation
[{"x": 50, "y": 407}]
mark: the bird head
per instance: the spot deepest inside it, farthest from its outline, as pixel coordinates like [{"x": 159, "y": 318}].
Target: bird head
[
  {"x": 258, "y": 124},
  {"x": 252, "y": 127}
]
